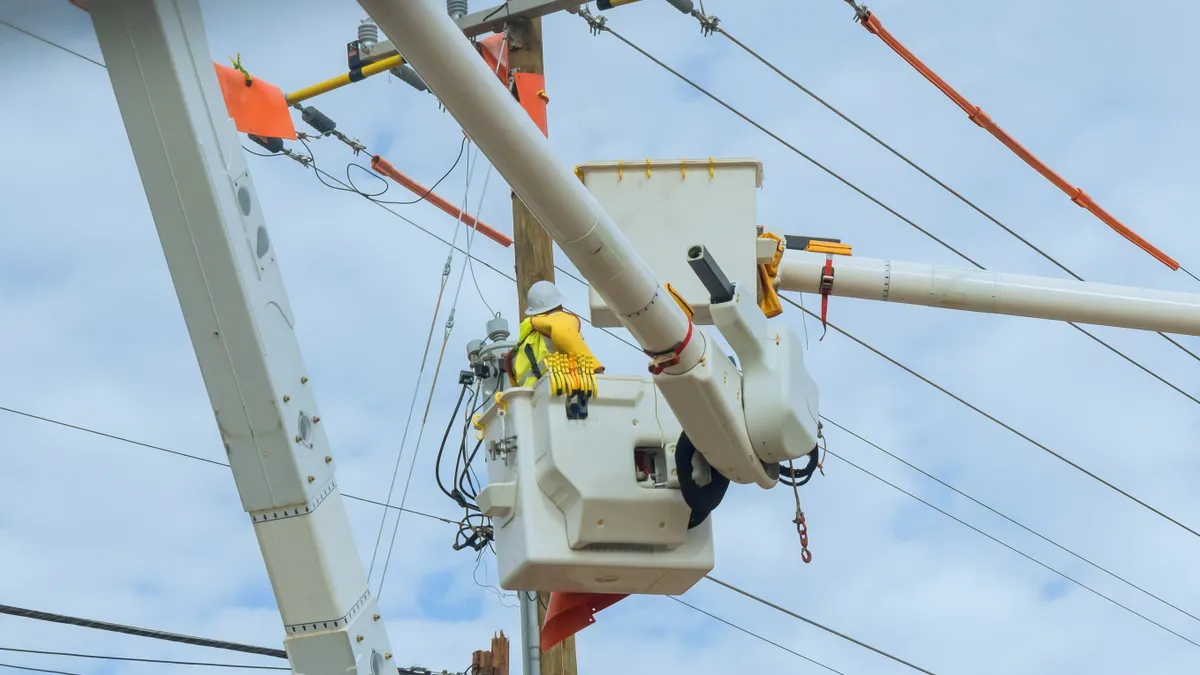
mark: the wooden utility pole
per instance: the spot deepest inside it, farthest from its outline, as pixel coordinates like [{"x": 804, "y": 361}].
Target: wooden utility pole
[
  {"x": 493, "y": 661},
  {"x": 535, "y": 262},
  {"x": 534, "y": 248}
]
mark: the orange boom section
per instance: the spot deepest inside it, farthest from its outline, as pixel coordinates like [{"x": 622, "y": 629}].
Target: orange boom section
[{"x": 976, "y": 115}]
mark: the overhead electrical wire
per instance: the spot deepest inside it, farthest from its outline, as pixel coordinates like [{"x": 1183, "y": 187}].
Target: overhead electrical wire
[
  {"x": 449, "y": 328},
  {"x": 198, "y": 458},
  {"x": 600, "y": 24},
  {"x": 1004, "y": 425},
  {"x": 36, "y": 670},
  {"x": 751, "y": 633},
  {"x": 382, "y": 205},
  {"x": 717, "y": 28},
  {"x": 1001, "y": 514},
  {"x": 1021, "y": 553},
  {"x": 53, "y": 44},
  {"x": 133, "y": 659},
  {"x": 816, "y": 624},
  {"x": 39, "y": 615},
  {"x": 445, "y": 277}
]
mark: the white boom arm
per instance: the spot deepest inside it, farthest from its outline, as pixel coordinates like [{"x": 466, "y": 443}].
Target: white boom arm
[
  {"x": 700, "y": 384},
  {"x": 237, "y": 314},
  {"x": 994, "y": 292}
]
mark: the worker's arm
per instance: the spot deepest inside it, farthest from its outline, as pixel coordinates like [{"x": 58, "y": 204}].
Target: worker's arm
[{"x": 563, "y": 330}]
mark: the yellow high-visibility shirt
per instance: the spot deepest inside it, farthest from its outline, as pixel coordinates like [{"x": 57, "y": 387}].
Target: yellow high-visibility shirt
[{"x": 543, "y": 335}]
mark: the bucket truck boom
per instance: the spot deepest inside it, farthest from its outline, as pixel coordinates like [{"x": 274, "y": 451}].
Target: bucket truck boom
[{"x": 230, "y": 289}]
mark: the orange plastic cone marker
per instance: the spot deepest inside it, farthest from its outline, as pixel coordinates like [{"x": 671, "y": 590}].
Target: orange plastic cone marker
[
  {"x": 569, "y": 613},
  {"x": 260, "y": 108}
]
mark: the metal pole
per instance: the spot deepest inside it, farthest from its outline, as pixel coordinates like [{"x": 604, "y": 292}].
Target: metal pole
[
  {"x": 994, "y": 292},
  {"x": 531, "y": 635}
]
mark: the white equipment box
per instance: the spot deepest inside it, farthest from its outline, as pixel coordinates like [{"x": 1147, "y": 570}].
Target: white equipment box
[
  {"x": 590, "y": 505},
  {"x": 665, "y": 206}
]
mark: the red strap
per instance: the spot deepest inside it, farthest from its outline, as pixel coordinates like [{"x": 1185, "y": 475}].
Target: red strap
[
  {"x": 826, "y": 289},
  {"x": 663, "y": 361},
  {"x": 871, "y": 23}
]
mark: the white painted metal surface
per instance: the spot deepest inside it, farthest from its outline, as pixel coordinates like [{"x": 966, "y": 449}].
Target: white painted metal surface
[
  {"x": 225, "y": 273},
  {"x": 779, "y": 395},
  {"x": 995, "y": 292},
  {"x": 448, "y": 63},
  {"x": 666, "y": 206},
  {"x": 570, "y": 513}
]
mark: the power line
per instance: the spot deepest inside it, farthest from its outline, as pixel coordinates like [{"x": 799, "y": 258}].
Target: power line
[
  {"x": 816, "y": 624},
  {"x": 997, "y": 512},
  {"x": 53, "y": 44},
  {"x": 1010, "y": 428},
  {"x": 36, "y": 670},
  {"x": 754, "y": 635},
  {"x": 1028, "y": 557},
  {"x": 198, "y": 458},
  {"x": 599, "y": 24},
  {"x": 133, "y": 659},
  {"x": 712, "y": 21},
  {"x": 39, "y": 615}
]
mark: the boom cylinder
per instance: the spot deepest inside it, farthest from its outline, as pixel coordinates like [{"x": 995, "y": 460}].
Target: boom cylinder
[
  {"x": 480, "y": 103},
  {"x": 995, "y": 292}
]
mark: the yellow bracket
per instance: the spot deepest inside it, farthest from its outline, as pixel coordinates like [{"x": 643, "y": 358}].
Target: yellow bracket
[
  {"x": 475, "y": 422},
  {"x": 683, "y": 304},
  {"x": 768, "y": 297},
  {"x": 620, "y": 170},
  {"x": 683, "y": 168},
  {"x": 647, "y": 167},
  {"x": 830, "y": 247},
  {"x": 500, "y": 401},
  {"x": 712, "y": 167}
]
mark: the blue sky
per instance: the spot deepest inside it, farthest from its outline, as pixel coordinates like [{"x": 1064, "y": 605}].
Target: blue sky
[{"x": 92, "y": 335}]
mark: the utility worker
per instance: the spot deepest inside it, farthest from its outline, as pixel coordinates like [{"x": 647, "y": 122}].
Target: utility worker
[{"x": 546, "y": 329}]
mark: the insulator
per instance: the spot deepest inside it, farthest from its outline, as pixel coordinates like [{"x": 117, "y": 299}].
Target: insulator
[
  {"x": 406, "y": 74},
  {"x": 368, "y": 33},
  {"x": 497, "y": 328},
  {"x": 317, "y": 120},
  {"x": 269, "y": 143},
  {"x": 456, "y": 8}
]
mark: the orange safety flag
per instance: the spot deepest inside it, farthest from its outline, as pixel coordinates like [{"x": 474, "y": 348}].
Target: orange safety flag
[
  {"x": 258, "y": 108},
  {"x": 531, "y": 94},
  {"x": 569, "y": 613},
  {"x": 494, "y": 50},
  {"x": 976, "y": 115},
  {"x": 384, "y": 167}
]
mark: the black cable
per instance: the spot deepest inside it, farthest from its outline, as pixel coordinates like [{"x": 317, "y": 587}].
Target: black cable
[
  {"x": 36, "y": 670},
  {"x": 939, "y": 182},
  {"x": 1019, "y": 552},
  {"x": 198, "y": 458},
  {"x": 568, "y": 273},
  {"x": 39, "y": 615},
  {"x": 461, "y": 149},
  {"x": 53, "y": 44},
  {"x": 996, "y": 420},
  {"x": 810, "y": 622},
  {"x": 206, "y": 664},
  {"x": 370, "y": 195},
  {"x": 604, "y": 27},
  {"x": 437, "y": 462},
  {"x": 754, "y": 635}
]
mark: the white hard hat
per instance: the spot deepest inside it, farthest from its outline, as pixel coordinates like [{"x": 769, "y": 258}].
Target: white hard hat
[{"x": 543, "y": 296}]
